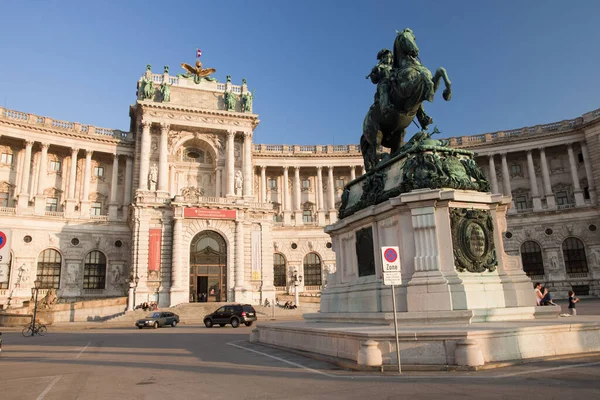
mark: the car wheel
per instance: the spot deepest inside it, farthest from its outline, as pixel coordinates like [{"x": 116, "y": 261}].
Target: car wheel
[
  {"x": 140, "y": 327},
  {"x": 248, "y": 323},
  {"x": 155, "y": 326},
  {"x": 208, "y": 323},
  {"x": 174, "y": 324},
  {"x": 221, "y": 325},
  {"x": 235, "y": 322}
]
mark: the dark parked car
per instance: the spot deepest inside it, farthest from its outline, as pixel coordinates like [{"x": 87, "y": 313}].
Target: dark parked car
[
  {"x": 158, "y": 318},
  {"x": 234, "y": 314}
]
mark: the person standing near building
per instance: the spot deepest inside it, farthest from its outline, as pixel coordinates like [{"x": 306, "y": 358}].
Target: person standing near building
[{"x": 572, "y": 301}]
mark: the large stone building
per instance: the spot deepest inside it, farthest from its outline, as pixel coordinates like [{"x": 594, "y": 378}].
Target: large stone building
[{"x": 186, "y": 206}]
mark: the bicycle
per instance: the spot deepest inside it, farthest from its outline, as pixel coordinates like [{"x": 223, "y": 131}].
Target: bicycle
[{"x": 34, "y": 329}]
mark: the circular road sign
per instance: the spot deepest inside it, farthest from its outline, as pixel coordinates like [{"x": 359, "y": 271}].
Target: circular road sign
[
  {"x": 2, "y": 239},
  {"x": 390, "y": 255}
]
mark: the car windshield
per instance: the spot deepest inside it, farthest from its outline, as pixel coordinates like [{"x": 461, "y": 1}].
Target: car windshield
[{"x": 153, "y": 315}]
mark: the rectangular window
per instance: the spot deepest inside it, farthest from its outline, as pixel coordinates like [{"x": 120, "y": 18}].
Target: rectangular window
[
  {"x": 339, "y": 183},
  {"x": 273, "y": 183},
  {"x": 6, "y": 158},
  {"x": 307, "y": 216},
  {"x": 99, "y": 172},
  {"x": 515, "y": 169},
  {"x": 51, "y": 204},
  {"x": 4, "y": 199},
  {"x": 521, "y": 203},
  {"x": 562, "y": 198},
  {"x": 55, "y": 166},
  {"x": 96, "y": 209},
  {"x": 305, "y": 183}
]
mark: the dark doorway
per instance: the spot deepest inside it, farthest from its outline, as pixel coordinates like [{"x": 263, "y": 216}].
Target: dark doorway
[{"x": 208, "y": 268}]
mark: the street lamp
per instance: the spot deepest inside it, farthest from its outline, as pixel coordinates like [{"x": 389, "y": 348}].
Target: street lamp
[
  {"x": 34, "y": 290},
  {"x": 158, "y": 289},
  {"x": 297, "y": 280}
]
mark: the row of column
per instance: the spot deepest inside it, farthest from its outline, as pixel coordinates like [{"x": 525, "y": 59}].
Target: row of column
[
  {"x": 547, "y": 186},
  {"x": 296, "y": 195},
  {"x": 23, "y": 188},
  {"x": 163, "y": 165}
]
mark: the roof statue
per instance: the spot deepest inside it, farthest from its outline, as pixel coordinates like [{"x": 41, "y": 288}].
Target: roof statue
[{"x": 197, "y": 72}]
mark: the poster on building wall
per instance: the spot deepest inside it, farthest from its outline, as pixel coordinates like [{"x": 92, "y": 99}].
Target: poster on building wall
[
  {"x": 256, "y": 255},
  {"x": 4, "y": 254},
  {"x": 154, "y": 250}
]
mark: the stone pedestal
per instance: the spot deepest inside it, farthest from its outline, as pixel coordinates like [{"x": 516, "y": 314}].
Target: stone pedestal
[
  {"x": 70, "y": 205},
  {"x": 40, "y": 205},
  {"x": 23, "y": 202},
  {"x": 112, "y": 211},
  {"x": 84, "y": 208}
]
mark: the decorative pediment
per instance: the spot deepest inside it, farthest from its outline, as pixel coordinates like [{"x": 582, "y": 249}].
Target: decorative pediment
[
  {"x": 97, "y": 197},
  {"x": 5, "y": 187},
  {"x": 308, "y": 206},
  {"x": 52, "y": 192},
  {"x": 191, "y": 193}
]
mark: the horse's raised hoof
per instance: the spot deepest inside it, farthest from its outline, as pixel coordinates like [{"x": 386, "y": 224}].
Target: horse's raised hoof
[{"x": 447, "y": 94}]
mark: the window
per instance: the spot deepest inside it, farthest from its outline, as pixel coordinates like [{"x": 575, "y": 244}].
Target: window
[
  {"x": 99, "y": 172},
  {"x": 51, "y": 204},
  {"x": 272, "y": 183},
  {"x": 48, "y": 269},
  {"x": 55, "y": 166},
  {"x": 278, "y": 270},
  {"x": 312, "y": 270},
  {"x": 574, "y": 255},
  {"x": 515, "y": 170},
  {"x": 305, "y": 183},
  {"x": 6, "y": 158},
  {"x": 521, "y": 203},
  {"x": 94, "y": 271},
  {"x": 339, "y": 183},
  {"x": 580, "y": 157},
  {"x": 307, "y": 216},
  {"x": 4, "y": 199},
  {"x": 96, "y": 209},
  {"x": 586, "y": 193},
  {"x": 531, "y": 255},
  {"x": 562, "y": 198},
  {"x": 5, "y": 270}
]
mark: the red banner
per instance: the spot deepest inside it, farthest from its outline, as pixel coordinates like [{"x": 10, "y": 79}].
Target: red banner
[
  {"x": 209, "y": 213},
  {"x": 154, "y": 250}
]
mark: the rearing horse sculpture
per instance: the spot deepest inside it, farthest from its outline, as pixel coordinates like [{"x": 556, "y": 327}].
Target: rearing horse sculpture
[{"x": 410, "y": 84}]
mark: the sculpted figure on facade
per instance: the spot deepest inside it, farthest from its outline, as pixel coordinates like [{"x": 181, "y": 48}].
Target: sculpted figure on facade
[
  {"x": 229, "y": 99},
  {"x": 165, "y": 92},
  {"x": 239, "y": 180},
  {"x": 153, "y": 177},
  {"x": 147, "y": 87},
  {"x": 247, "y": 101}
]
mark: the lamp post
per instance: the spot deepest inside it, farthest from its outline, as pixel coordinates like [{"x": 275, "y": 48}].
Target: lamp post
[
  {"x": 131, "y": 287},
  {"x": 136, "y": 280},
  {"x": 34, "y": 290},
  {"x": 158, "y": 289},
  {"x": 297, "y": 280}
]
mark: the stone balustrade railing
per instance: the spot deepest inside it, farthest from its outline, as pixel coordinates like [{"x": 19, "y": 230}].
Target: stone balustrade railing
[
  {"x": 302, "y": 149},
  {"x": 175, "y": 81},
  {"x": 32, "y": 119}
]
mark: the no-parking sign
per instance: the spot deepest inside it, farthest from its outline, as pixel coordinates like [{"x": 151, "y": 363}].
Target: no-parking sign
[
  {"x": 391, "y": 265},
  {"x": 4, "y": 254}
]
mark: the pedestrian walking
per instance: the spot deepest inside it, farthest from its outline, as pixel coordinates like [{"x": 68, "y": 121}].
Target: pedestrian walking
[{"x": 572, "y": 301}]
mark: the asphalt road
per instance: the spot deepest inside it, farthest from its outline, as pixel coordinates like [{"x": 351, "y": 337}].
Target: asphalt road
[{"x": 194, "y": 362}]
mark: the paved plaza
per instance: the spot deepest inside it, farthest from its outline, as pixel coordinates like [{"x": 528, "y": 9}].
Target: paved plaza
[{"x": 99, "y": 361}]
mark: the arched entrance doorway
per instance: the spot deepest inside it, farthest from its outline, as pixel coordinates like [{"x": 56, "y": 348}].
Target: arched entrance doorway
[{"x": 208, "y": 267}]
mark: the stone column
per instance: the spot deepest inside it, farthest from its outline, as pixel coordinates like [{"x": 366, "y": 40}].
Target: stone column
[
  {"x": 286, "y": 197},
  {"x": 163, "y": 165},
  {"x": 579, "y": 201},
  {"x": 297, "y": 197},
  {"x": 23, "y": 201},
  {"x": 506, "y": 183},
  {"x": 588, "y": 172},
  {"x": 493, "y": 177},
  {"x": 263, "y": 184},
  {"x": 550, "y": 199},
  {"x": 172, "y": 191},
  {"x": 71, "y": 200},
  {"x": 218, "y": 182},
  {"x": 248, "y": 175},
  {"x": 229, "y": 150},
  {"x": 319, "y": 196},
  {"x": 128, "y": 180},
  {"x": 239, "y": 259},
  {"x": 535, "y": 194},
  {"x": 145, "y": 156},
  {"x": 178, "y": 289},
  {"x": 352, "y": 172},
  {"x": 87, "y": 176},
  {"x": 113, "y": 205},
  {"x": 331, "y": 189},
  {"x": 40, "y": 199}
]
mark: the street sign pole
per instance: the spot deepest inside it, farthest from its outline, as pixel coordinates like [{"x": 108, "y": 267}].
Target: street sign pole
[{"x": 396, "y": 328}]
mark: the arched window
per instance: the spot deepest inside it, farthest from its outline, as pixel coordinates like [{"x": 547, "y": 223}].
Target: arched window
[
  {"x": 48, "y": 269},
  {"x": 279, "y": 270},
  {"x": 574, "y": 255},
  {"x": 531, "y": 254},
  {"x": 94, "y": 271},
  {"x": 312, "y": 269}
]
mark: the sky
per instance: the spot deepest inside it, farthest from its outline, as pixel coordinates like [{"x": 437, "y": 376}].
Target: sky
[{"x": 512, "y": 63}]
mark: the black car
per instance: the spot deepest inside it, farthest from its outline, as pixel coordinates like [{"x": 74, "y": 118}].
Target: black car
[
  {"x": 158, "y": 318},
  {"x": 233, "y": 314}
]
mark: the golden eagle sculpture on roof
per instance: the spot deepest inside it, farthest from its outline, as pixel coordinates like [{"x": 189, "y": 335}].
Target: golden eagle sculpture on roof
[{"x": 197, "y": 72}]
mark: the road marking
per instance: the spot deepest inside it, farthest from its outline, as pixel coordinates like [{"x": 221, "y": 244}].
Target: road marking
[
  {"x": 45, "y": 392},
  {"x": 509, "y": 375},
  {"x": 81, "y": 352},
  {"x": 283, "y": 360}
]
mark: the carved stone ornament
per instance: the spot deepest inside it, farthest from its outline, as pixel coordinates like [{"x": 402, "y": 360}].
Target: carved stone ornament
[{"x": 472, "y": 240}]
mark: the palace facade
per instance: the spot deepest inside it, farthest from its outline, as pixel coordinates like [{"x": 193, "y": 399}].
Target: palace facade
[{"x": 185, "y": 206}]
